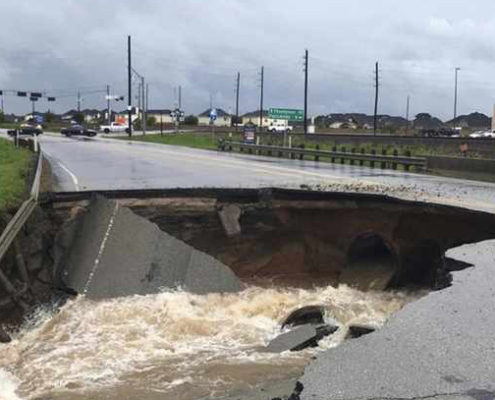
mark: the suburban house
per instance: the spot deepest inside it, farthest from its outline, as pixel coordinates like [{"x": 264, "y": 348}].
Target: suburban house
[
  {"x": 223, "y": 118},
  {"x": 161, "y": 116},
  {"x": 474, "y": 120},
  {"x": 89, "y": 115},
  {"x": 253, "y": 117}
]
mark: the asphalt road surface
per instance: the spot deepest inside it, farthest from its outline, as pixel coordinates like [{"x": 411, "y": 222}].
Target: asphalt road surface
[{"x": 101, "y": 163}]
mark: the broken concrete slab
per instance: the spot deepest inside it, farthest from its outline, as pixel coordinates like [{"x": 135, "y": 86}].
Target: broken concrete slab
[
  {"x": 118, "y": 253},
  {"x": 358, "y": 330},
  {"x": 229, "y": 216},
  {"x": 300, "y": 338}
]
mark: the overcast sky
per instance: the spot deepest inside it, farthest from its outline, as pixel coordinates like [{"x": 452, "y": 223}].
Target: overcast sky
[{"x": 62, "y": 46}]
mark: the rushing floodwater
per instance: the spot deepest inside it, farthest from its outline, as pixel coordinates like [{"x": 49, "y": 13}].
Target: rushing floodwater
[{"x": 172, "y": 345}]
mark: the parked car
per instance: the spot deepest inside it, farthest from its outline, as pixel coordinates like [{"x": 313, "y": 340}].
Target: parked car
[
  {"x": 482, "y": 134},
  {"x": 279, "y": 128},
  {"x": 27, "y": 129},
  {"x": 114, "y": 127},
  {"x": 78, "y": 130}
]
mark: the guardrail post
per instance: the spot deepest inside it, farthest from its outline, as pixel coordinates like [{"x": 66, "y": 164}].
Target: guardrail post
[
  {"x": 269, "y": 152},
  {"x": 342, "y": 159},
  {"x": 383, "y": 164},
  {"x": 351, "y": 161},
  {"x": 317, "y": 157},
  {"x": 396, "y": 154},
  {"x": 372, "y": 163},
  {"x": 407, "y": 153},
  {"x": 361, "y": 162},
  {"x": 334, "y": 149},
  {"x": 301, "y": 155}
]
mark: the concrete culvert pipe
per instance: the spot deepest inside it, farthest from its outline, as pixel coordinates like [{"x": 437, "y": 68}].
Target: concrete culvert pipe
[{"x": 371, "y": 263}]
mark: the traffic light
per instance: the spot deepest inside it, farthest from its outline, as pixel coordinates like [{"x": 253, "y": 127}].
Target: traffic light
[{"x": 22, "y": 94}]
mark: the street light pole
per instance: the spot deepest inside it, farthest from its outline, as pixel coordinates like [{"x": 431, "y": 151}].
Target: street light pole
[{"x": 457, "y": 69}]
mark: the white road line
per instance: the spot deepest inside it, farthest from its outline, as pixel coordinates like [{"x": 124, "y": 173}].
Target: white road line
[{"x": 69, "y": 172}]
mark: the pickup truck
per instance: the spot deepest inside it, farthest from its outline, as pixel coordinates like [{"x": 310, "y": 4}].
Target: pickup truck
[
  {"x": 114, "y": 127},
  {"x": 279, "y": 128}
]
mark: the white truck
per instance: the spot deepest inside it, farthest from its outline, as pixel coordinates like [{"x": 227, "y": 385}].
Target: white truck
[
  {"x": 280, "y": 127},
  {"x": 114, "y": 127}
]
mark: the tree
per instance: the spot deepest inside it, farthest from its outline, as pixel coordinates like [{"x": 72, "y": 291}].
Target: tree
[
  {"x": 191, "y": 120},
  {"x": 49, "y": 117},
  {"x": 150, "y": 121},
  {"x": 78, "y": 117}
]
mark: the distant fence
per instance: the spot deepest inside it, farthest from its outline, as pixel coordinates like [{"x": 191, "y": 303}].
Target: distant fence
[{"x": 372, "y": 159}]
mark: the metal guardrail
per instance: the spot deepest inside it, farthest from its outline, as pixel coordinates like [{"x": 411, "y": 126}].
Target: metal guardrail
[
  {"x": 9, "y": 235},
  {"x": 292, "y": 152}
]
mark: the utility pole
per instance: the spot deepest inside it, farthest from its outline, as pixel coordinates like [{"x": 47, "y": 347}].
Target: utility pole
[
  {"x": 407, "y": 113},
  {"x": 457, "y": 69},
  {"x": 237, "y": 101},
  {"x": 306, "y": 91},
  {"x": 78, "y": 102},
  {"x": 143, "y": 107},
  {"x": 109, "y": 119},
  {"x": 376, "y": 99},
  {"x": 261, "y": 98},
  {"x": 180, "y": 97},
  {"x": 1, "y": 95},
  {"x": 129, "y": 88}
]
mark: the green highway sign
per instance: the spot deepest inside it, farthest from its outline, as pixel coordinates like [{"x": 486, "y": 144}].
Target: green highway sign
[{"x": 286, "y": 113}]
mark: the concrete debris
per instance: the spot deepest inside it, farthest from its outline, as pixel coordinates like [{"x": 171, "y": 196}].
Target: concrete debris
[
  {"x": 305, "y": 315},
  {"x": 229, "y": 216},
  {"x": 358, "y": 329},
  {"x": 300, "y": 338},
  {"x": 118, "y": 253}
]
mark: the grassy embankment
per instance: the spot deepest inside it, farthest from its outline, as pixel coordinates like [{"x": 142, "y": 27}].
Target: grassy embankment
[
  {"x": 14, "y": 167},
  {"x": 195, "y": 140},
  {"x": 204, "y": 140}
]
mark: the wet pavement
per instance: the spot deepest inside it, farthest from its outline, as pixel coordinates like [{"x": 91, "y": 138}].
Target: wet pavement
[{"x": 101, "y": 163}]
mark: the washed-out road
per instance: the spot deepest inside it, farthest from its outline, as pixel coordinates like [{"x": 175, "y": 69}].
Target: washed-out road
[{"x": 441, "y": 346}]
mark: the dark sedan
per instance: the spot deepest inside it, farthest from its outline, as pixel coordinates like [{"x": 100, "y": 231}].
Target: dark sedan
[
  {"x": 77, "y": 130},
  {"x": 26, "y": 129}
]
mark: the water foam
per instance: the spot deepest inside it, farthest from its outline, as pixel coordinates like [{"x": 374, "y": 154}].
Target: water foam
[{"x": 175, "y": 342}]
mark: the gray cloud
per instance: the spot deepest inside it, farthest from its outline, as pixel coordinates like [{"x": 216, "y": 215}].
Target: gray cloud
[{"x": 62, "y": 46}]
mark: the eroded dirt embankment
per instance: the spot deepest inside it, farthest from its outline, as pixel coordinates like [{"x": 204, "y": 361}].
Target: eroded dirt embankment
[{"x": 301, "y": 238}]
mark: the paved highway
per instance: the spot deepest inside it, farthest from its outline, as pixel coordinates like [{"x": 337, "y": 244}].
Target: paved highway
[{"x": 101, "y": 163}]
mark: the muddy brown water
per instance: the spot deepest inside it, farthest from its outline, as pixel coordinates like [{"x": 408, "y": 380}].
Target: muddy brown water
[{"x": 173, "y": 345}]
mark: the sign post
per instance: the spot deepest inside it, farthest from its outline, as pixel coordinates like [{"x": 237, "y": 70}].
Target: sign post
[{"x": 213, "y": 117}]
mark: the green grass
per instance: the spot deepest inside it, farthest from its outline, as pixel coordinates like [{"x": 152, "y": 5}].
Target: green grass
[
  {"x": 196, "y": 140},
  {"x": 14, "y": 167}
]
